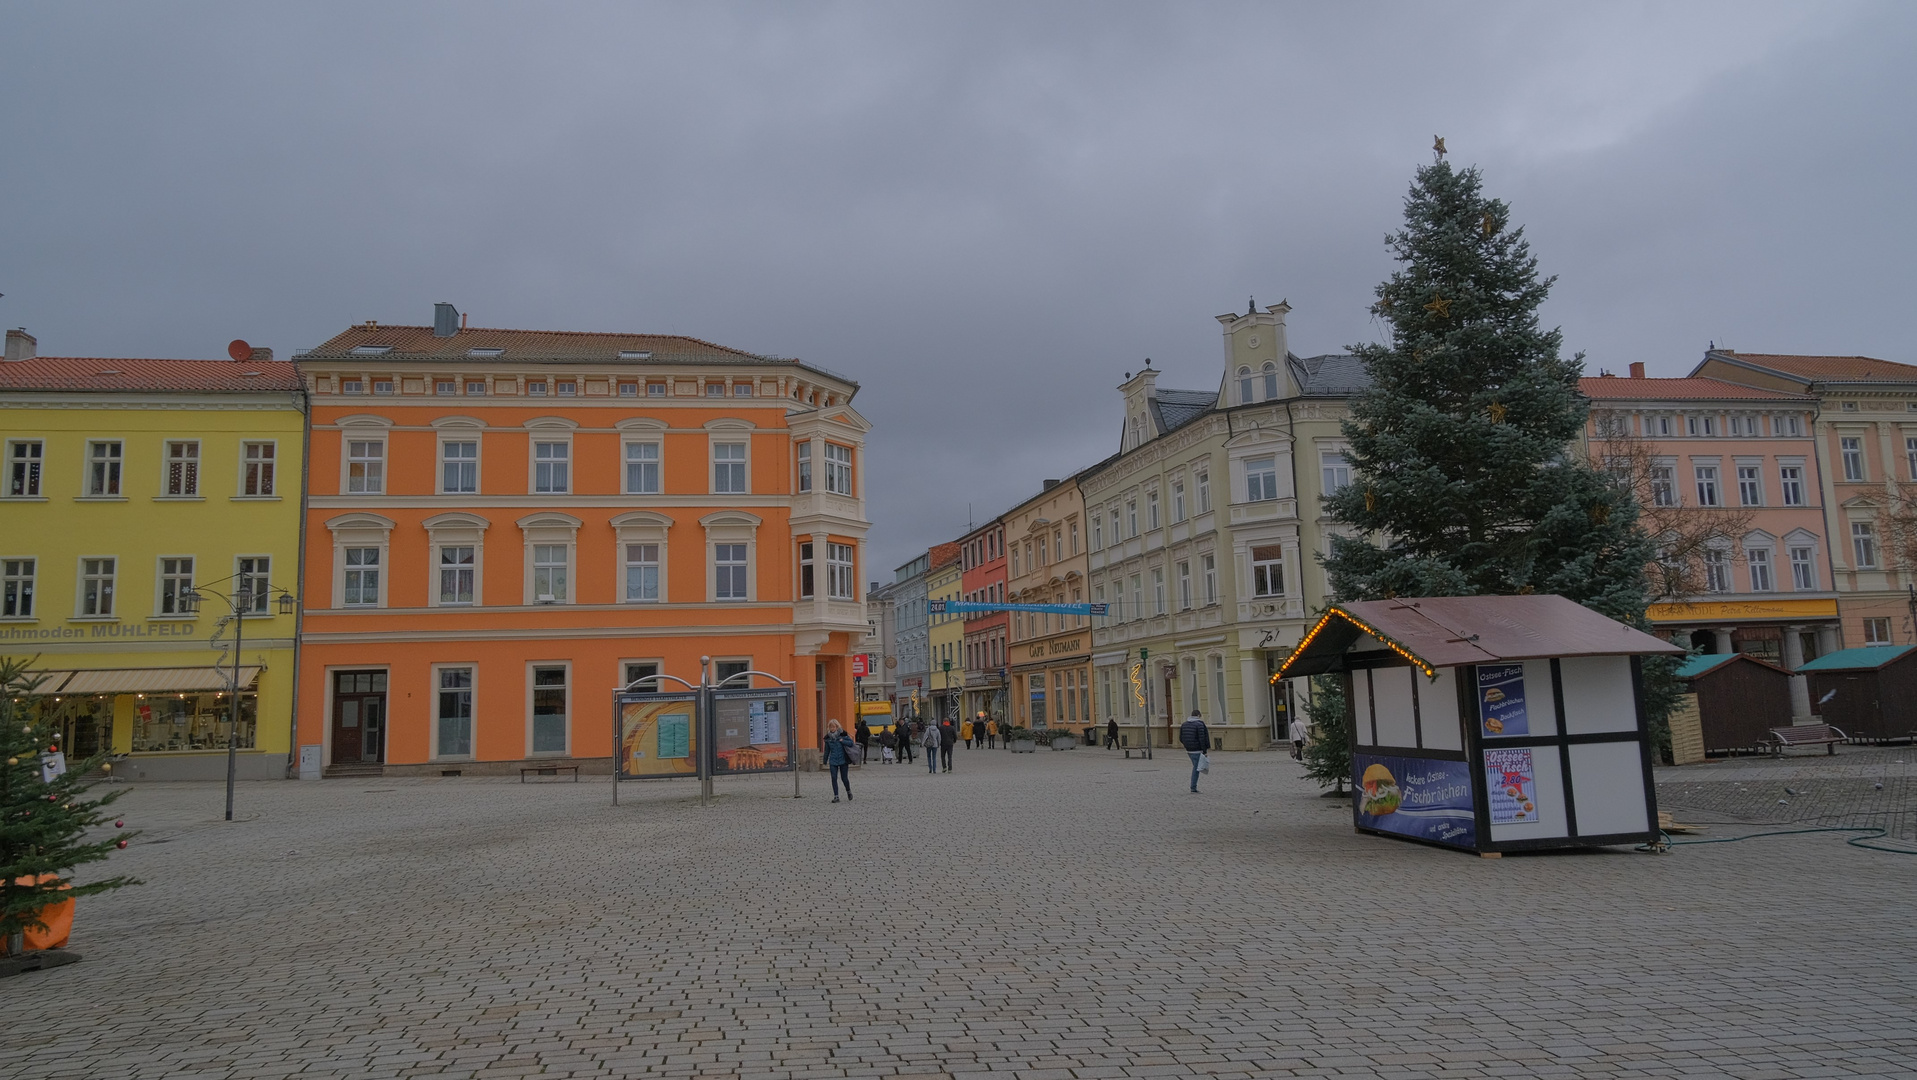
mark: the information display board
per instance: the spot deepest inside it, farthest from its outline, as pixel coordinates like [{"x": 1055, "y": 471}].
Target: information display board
[
  {"x": 1501, "y": 705},
  {"x": 659, "y": 735},
  {"x": 752, "y": 731}
]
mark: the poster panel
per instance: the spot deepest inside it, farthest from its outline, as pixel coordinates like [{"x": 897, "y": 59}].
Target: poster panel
[
  {"x": 1501, "y": 700},
  {"x": 1511, "y": 786},
  {"x": 1422, "y": 798},
  {"x": 658, "y": 736},
  {"x": 752, "y": 731}
]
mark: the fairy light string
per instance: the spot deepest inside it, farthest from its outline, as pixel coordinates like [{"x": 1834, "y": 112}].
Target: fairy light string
[{"x": 1415, "y": 660}]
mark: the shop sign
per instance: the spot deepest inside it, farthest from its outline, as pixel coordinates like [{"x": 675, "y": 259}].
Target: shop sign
[
  {"x": 1501, "y": 700},
  {"x": 1043, "y": 649},
  {"x": 97, "y": 630},
  {"x": 1423, "y": 798},
  {"x": 1512, "y": 785}
]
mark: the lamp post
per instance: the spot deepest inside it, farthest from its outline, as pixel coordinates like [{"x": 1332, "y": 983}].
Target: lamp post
[
  {"x": 239, "y": 602},
  {"x": 948, "y": 688},
  {"x": 1144, "y": 655}
]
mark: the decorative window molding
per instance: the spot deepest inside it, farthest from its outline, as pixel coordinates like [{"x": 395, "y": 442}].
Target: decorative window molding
[
  {"x": 646, "y": 529},
  {"x": 360, "y": 531},
  {"x": 732, "y": 527},
  {"x": 551, "y": 556},
  {"x": 456, "y": 551}
]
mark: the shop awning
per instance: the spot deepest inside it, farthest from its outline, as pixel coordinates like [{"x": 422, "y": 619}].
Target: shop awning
[
  {"x": 181, "y": 680},
  {"x": 50, "y": 681}
]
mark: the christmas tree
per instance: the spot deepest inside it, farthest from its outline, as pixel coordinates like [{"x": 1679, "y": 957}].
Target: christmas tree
[
  {"x": 1465, "y": 480},
  {"x": 1328, "y": 748},
  {"x": 46, "y": 825}
]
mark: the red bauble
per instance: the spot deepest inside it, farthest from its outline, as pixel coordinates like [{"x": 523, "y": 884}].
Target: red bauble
[
  {"x": 122, "y": 844},
  {"x": 120, "y": 824}
]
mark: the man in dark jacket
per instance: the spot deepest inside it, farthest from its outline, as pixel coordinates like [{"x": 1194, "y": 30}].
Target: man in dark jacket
[
  {"x": 1111, "y": 733},
  {"x": 948, "y": 738},
  {"x": 1196, "y": 738},
  {"x": 908, "y": 742}
]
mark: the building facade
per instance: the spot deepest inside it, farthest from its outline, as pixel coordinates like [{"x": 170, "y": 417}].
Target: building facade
[
  {"x": 132, "y": 487},
  {"x": 914, "y": 642},
  {"x": 506, "y": 527},
  {"x": 987, "y": 633},
  {"x": 881, "y": 644},
  {"x": 945, "y": 633},
  {"x": 1204, "y": 529},
  {"x": 1051, "y": 654},
  {"x": 1729, "y": 482},
  {"x": 1866, "y": 436}
]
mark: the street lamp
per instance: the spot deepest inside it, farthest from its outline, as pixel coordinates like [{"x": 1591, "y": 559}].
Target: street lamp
[
  {"x": 240, "y": 601},
  {"x": 948, "y": 687}
]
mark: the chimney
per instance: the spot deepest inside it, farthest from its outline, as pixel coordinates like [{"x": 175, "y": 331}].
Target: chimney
[
  {"x": 1637, "y": 369},
  {"x": 261, "y": 355},
  {"x": 1050, "y": 484},
  {"x": 19, "y": 345},
  {"x": 445, "y": 320}
]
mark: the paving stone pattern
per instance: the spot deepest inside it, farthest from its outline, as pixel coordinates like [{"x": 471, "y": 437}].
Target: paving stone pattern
[{"x": 1055, "y": 915}]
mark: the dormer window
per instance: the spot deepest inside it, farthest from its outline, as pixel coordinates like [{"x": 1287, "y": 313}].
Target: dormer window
[
  {"x": 485, "y": 354},
  {"x": 631, "y": 354},
  {"x": 371, "y": 350}
]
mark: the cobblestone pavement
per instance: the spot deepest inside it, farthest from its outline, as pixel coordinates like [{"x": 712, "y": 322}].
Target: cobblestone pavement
[
  {"x": 1860, "y": 787},
  {"x": 1053, "y": 915}
]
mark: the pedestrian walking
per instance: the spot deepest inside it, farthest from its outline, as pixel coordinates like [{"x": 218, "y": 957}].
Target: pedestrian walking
[
  {"x": 838, "y": 758},
  {"x": 965, "y": 732},
  {"x": 863, "y": 733},
  {"x": 931, "y": 740},
  {"x": 888, "y": 745},
  {"x": 1299, "y": 733},
  {"x": 948, "y": 738},
  {"x": 1111, "y": 733},
  {"x": 1196, "y": 739},
  {"x": 991, "y": 734},
  {"x": 908, "y": 737}
]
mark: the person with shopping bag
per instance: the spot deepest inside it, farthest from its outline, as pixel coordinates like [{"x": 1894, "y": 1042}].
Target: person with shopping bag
[
  {"x": 931, "y": 740},
  {"x": 1195, "y": 737},
  {"x": 840, "y": 751}
]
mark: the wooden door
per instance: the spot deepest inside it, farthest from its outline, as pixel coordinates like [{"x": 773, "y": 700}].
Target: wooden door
[{"x": 359, "y": 717}]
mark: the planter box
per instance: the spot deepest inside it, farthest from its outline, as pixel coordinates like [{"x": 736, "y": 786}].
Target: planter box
[
  {"x": 1024, "y": 746},
  {"x": 1064, "y": 742}
]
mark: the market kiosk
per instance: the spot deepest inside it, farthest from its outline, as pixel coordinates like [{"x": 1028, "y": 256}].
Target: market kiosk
[{"x": 1491, "y": 723}]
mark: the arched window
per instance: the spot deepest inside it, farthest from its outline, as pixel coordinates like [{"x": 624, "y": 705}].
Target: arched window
[
  {"x": 1271, "y": 381},
  {"x": 1244, "y": 386}
]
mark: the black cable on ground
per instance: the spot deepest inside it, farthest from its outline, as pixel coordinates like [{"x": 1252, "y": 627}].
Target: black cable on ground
[{"x": 1871, "y": 832}]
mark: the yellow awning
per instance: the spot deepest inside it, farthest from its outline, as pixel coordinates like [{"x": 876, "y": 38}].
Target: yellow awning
[
  {"x": 1736, "y": 610},
  {"x": 178, "y": 680}
]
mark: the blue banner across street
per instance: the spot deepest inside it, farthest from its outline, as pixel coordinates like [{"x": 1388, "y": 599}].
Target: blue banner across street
[{"x": 960, "y": 607}]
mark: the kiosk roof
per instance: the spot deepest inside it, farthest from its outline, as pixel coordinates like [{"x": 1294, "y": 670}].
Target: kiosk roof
[{"x": 1446, "y": 631}]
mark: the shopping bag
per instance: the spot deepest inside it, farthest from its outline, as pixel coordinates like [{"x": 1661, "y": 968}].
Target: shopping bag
[{"x": 1204, "y": 763}]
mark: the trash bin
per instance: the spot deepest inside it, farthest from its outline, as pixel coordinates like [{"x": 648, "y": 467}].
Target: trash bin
[{"x": 1091, "y": 736}]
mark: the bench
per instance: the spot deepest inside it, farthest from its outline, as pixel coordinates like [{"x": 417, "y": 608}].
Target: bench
[
  {"x": 548, "y": 770},
  {"x": 1783, "y": 738},
  {"x": 1139, "y": 750}
]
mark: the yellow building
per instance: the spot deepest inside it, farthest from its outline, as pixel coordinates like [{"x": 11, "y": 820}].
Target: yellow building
[
  {"x": 135, "y": 492},
  {"x": 945, "y": 635}
]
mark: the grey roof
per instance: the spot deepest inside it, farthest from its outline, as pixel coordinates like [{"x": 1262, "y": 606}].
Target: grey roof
[
  {"x": 1330, "y": 375},
  {"x": 1176, "y": 408}
]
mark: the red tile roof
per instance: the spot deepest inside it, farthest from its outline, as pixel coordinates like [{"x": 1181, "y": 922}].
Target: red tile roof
[
  {"x": 1615, "y": 388},
  {"x": 944, "y": 554},
  {"x": 418, "y": 343},
  {"x": 1828, "y": 368},
  {"x": 118, "y": 374}
]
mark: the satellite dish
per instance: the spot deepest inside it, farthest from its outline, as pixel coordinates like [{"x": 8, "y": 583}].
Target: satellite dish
[{"x": 239, "y": 350}]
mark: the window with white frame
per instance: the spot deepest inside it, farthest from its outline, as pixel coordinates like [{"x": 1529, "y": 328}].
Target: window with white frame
[
  {"x": 729, "y": 571},
  {"x": 1117, "y": 534},
  {"x": 1758, "y": 560},
  {"x": 1210, "y": 564},
  {"x": 103, "y": 468},
  {"x": 24, "y": 458},
  {"x": 1158, "y": 590},
  {"x": 1852, "y": 451},
  {"x": 382, "y": 386},
  {"x": 1151, "y": 509},
  {"x": 1184, "y": 586},
  {"x": 1337, "y": 471},
  {"x": 96, "y": 587},
  {"x": 1202, "y": 481},
  {"x": 1268, "y": 570},
  {"x": 838, "y": 469},
  {"x": 365, "y": 466},
  {"x": 635, "y": 670},
  {"x": 1803, "y": 567},
  {"x": 1659, "y": 425},
  {"x": 456, "y": 565},
  {"x": 715, "y": 389},
  {"x": 1178, "y": 501},
  {"x": 549, "y": 709},
  {"x": 1706, "y": 485},
  {"x": 1098, "y": 531},
  {"x": 1701, "y": 425},
  {"x": 1790, "y": 482},
  {"x": 361, "y": 586},
  {"x": 1877, "y": 631},
  {"x": 256, "y": 479},
  {"x": 642, "y": 468},
  {"x": 1244, "y": 386},
  {"x": 445, "y": 387},
  {"x": 805, "y": 466},
  {"x": 1863, "y": 544},
  {"x": 841, "y": 578},
  {"x": 552, "y": 468},
  {"x": 1910, "y": 457},
  {"x": 16, "y": 588},
  {"x": 1663, "y": 485},
  {"x": 453, "y": 717},
  {"x": 1131, "y": 517},
  {"x": 642, "y": 573},
  {"x": 1138, "y": 596},
  {"x": 1750, "y": 487},
  {"x": 1271, "y": 381},
  {"x": 1218, "y": 703},
  {"x": 182, "y": 468},
  {"x": 176, "y": 580},
  {"x": 255, "y": 579},
  {"x": 1261, "y": 479},
  {"x": 459, "y": 467},
  {"x": 549, "y": 578},
  {"x": 729, "y": 468},
  {"x": 567, "y": 388},
  {"x": 536, "y": 388},
  {"x": 1193, "y": 683},
  {"x": 475, "y": 388},
  {"x": 1717, "y": 570},
  {"x": 808, "y": 571}
]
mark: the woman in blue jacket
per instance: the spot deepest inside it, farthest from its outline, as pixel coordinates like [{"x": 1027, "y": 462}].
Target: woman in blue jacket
[{"x": 838, "y": 758}]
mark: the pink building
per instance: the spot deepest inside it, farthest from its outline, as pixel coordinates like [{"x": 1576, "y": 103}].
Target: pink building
[{"x": 1729, "y": 478}]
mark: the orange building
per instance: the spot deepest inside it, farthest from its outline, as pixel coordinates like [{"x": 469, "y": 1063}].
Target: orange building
[{"x": 504, "y": 527}]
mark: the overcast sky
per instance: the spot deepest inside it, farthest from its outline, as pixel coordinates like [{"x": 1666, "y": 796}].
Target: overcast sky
[{"x": 986, "y": 214}]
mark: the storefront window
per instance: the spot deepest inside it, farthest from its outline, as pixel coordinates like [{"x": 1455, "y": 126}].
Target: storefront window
[
  {"x": 85, "y": 724},
  {"x": 163, "y": 722},
  {"x": 1038, "y": 700}
]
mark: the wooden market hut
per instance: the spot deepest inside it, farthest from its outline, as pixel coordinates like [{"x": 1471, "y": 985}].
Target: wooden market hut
[
  {"x": 1491, "y": 723},
  {"x": 1868, "y": 693},
  {"x": 1739, "y": 699}
]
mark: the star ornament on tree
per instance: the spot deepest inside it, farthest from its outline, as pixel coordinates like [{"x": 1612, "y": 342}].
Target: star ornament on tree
[
  {"x": 1489, "y": 225},
  {"x": 1437, "y": 146},
  {"x": 1497, "y": 411},
  {"x": 1440, "y": 307}
]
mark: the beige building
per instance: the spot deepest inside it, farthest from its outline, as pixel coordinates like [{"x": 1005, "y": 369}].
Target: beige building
[{"x": 1051, "y": 654}]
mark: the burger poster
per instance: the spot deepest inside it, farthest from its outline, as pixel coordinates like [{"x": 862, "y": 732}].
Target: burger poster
[
  {"x": 1501, "y": 700},
  {"x": 1417, "y": 797},
  {"x": 1511, "y": 786}
]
